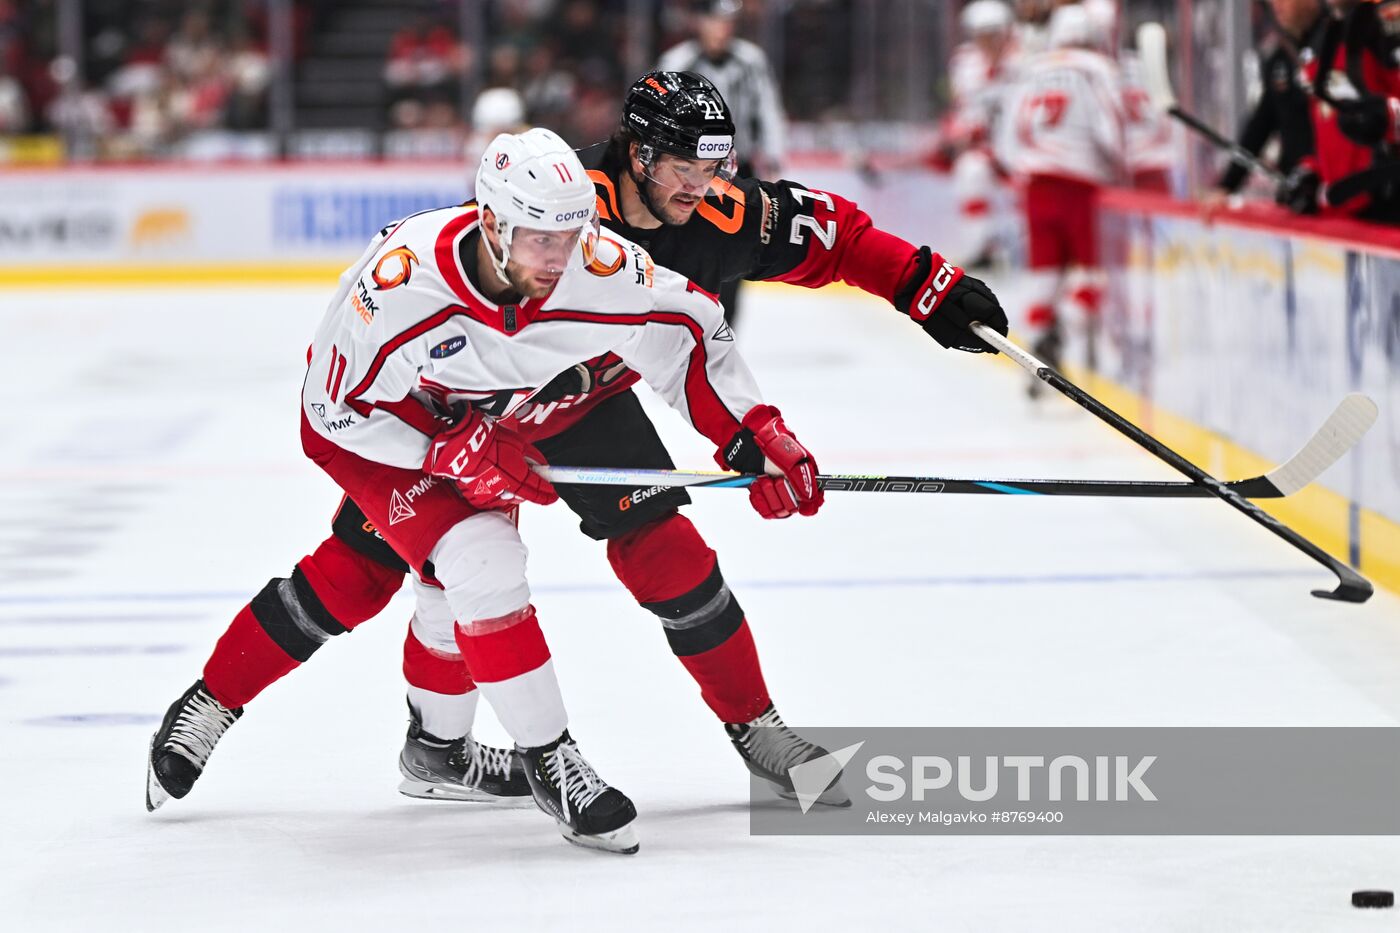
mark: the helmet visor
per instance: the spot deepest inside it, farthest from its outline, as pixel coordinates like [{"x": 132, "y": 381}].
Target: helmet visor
[
  {"x": 548, "y": 250},
  {"x": 690, "y": 175}
]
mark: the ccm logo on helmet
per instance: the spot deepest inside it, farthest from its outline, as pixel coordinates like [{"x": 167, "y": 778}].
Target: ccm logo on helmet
[{"x": 581, "y": 214}]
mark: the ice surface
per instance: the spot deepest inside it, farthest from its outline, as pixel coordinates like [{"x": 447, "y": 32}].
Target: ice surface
[{"x": 153, "y": 482}]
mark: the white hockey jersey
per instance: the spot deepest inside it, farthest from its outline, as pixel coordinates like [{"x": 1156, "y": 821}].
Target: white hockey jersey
[
  {"x": 407, "y": 336},
  {"x": 1065, "y": 117}
]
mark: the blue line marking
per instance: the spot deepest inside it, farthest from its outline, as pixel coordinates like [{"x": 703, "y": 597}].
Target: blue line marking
[
  {"x": 1002, "y": 487},
  {"x": 64, "y": 651},
  {"x": 238, "y": 597},
  {"x": 96, "y": 719}
]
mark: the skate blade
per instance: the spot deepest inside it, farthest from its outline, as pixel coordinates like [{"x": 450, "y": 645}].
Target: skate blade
[
  {"x": 622, "y": 841},
  {"x": 155, "y": 794},
  {"x": 834, "y": 796},
  {"x": 425, "y": 790}
]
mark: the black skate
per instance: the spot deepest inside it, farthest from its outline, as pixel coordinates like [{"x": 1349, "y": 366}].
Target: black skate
[
  {"x": 182, "y": 745},
  {"x": 771, "y": 750},
  {"x": 1049, "y": 348},
  {"x": 459, "y": 769},
  {"x": 590, "y": 813}
]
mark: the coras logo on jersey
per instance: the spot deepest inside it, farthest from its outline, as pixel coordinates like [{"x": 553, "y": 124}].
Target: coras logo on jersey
[
  {"x": 394, "y": 268},
  {"x": 447, "y": 348}
]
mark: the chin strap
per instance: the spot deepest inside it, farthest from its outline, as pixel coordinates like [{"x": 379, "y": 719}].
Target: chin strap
[{"x": 499, "y": 264}]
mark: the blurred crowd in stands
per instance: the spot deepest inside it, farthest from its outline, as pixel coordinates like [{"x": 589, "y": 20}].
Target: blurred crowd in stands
[{"x": 150, "y": 71}]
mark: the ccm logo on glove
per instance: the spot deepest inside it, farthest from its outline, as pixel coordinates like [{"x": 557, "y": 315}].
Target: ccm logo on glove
[{"x": 942, "y": 281}]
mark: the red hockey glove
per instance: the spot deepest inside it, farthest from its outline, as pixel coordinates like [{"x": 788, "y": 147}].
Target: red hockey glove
[
  {"x": 765, "y": 445},
  {"x": 944, "y": 301},
  {"x": 489, "y": 463}
]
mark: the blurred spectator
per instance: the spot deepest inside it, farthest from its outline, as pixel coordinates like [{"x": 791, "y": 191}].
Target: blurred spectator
[
  {"x": 1351, "y": 67},
  {"x": 14, "y": 108},
  {"x": 426, "y": 61},
  {"x": 740, "y": 71},
  {"x": 1282, "y": 109}
]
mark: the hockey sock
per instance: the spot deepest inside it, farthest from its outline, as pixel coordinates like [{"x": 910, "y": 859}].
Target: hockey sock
[
  {"x": 440, "y": 690},
  {"x": 509, "y": 661},
  {"x": 329, "y": 592},
  {"x": 672, "y": 572}
]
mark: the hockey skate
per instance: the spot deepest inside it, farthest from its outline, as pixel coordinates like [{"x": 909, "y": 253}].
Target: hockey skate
[
  {"x": 589, "y": 812},
  {"x": 182, "y": 745},
  {"x": 770, "y": 750},
  {"x": 459, "y": 769},
  {"x": 1049, "y": 348}
]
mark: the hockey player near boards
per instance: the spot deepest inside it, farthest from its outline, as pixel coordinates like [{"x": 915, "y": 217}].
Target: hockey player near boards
[
  {"x": 1063, "y": 138},
  {"x": 1353, "y": 72},
  {"x": 657, "y": 186}
]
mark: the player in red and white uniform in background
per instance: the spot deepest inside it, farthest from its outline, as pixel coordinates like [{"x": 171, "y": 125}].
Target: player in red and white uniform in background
[
  {"x": 1152, "y": 138},
  {"x": 450, "y": 321},
  {"x": 979, "y": 71},
  {"x": 1033, "y": 25},
  {"x": 1063, "y": 139}
]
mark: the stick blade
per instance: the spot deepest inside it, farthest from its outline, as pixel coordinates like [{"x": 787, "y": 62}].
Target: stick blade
[
  {"x": 1156, "y": 76},
  {"x": 1351, "y": 419}
]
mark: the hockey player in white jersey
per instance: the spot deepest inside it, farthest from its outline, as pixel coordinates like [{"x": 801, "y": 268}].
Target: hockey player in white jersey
[
  {"x": 446, "y": 325},
  {"x": 980, "y": 70},
  {"x": 1063, "y": 138}
]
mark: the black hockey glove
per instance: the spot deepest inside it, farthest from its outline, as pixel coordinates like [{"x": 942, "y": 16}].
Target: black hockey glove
[
  {"x": 944, "y": 301},
  {"x": 1364, "y": 121},
  {"x": 1298, "y": 192},
  {"x": 575, "y": 380}
]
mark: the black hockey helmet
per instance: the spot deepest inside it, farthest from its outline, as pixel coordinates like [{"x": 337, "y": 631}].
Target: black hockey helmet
[{"x": 679, "y": 112}]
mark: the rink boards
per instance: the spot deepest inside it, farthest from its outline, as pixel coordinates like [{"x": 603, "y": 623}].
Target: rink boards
[{"x": 1232, "y": 341}]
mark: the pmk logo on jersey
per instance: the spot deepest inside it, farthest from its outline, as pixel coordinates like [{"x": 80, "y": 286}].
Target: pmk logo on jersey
[
  {"x": 447, "y": 348},
  {"x": 713, "y": 147},
  {"x": 502, "y": 160},
  {"x": 394, "y": 268},
  {"x": 399, "y": 508}
]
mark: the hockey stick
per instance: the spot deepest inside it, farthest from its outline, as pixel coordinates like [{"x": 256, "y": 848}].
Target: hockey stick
[
  {"x": 1352, "y": 587},
  {"x": 1338, "y": 434},
  {"x": 1152, "y": 51}
]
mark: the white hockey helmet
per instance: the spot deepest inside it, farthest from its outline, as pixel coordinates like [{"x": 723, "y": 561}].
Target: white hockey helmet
[
  {"x": 533, "y": 180},
  {"x": 1103, "y": 21},
  {"x": 981, "y": 17},
  {"x": 497, "y": 110},
  {"x": 1070, "y": 27}
]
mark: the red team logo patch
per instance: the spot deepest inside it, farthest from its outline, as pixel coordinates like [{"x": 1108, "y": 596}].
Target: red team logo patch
[{"x": 502, "y": 160}]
